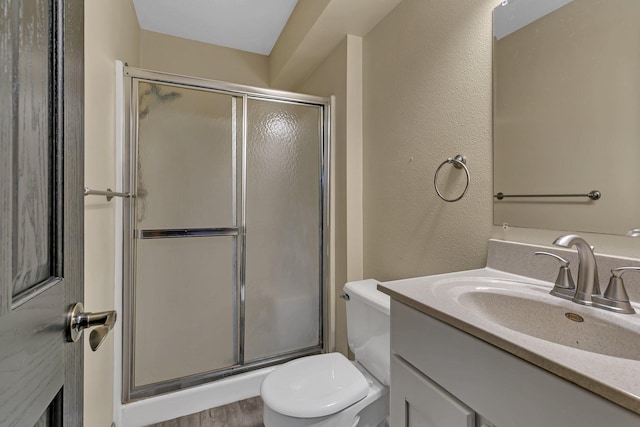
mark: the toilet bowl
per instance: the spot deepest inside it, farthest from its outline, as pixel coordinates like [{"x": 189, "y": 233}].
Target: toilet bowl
[{"x": 329, "y": 390}]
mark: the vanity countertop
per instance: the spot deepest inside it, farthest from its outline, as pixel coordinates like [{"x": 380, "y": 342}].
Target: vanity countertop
[{"x": 613, "y": 378}]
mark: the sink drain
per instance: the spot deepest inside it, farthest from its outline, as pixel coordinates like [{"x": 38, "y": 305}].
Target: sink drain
[{"x": 574, "y": 317}]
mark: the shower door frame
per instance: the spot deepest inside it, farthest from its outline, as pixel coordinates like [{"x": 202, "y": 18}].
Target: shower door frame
[{"x": 131, "y": 76}]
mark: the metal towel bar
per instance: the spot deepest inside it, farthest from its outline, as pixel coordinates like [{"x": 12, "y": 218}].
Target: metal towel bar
[
  {"x": 186, "y": 232},
  {"x": 109, "y": 194},
  {"x": 593, "y": 195},
  {"x": 459, "y": 162}
]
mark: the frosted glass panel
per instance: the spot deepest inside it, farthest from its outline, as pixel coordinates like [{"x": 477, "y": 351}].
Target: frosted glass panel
[
  {"x": 185, "y": 307},
  {"x": 186, "y": 171},
  {"x": 283, "y": 223}
]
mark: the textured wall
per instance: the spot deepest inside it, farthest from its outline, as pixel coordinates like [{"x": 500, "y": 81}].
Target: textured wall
[
  {"x": 111, "y": 32},
  {"x": 176, "y": 55},
  {"x": 427, "y": 97}
]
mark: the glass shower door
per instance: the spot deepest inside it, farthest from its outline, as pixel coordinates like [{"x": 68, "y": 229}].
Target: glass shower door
[
  {"x": 226, "y": 241},
  {"x": 186, "y": 232},
  {"x": 283, "y": 302}
]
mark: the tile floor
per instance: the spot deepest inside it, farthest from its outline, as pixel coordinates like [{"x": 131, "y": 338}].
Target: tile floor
[{"x": 245, "y": 413}]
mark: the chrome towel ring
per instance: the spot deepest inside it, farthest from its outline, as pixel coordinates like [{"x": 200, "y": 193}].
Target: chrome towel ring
[{"x": 459, "y": 162}]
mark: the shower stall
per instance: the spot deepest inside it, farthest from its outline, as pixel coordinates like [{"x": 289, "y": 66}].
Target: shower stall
[{"x": 226, "y": 238}]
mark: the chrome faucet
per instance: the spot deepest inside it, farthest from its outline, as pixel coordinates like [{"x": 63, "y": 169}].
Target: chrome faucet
[{"x": 588, "y": 284}]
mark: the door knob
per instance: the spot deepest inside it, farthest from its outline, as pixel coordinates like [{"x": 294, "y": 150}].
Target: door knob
[{"x": 78, "y": 321}]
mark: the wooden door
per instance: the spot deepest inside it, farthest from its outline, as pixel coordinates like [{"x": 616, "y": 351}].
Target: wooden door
[{"x": 41, "y": 210}]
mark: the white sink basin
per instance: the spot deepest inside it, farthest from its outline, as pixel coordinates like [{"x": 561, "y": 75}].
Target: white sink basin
[
  {"x": 529, "y": 309},
  {"x": 518, "y": 315}
]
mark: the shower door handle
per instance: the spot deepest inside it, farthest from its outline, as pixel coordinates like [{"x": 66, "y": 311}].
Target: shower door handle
[{"x": 78, "y": 321}]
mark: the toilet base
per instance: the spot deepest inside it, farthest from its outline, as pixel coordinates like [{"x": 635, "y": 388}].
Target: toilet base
[{"x": 371, "y": 411}]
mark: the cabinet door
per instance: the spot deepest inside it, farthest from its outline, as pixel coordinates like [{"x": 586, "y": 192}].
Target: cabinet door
[{"x": 416, "y": 401}]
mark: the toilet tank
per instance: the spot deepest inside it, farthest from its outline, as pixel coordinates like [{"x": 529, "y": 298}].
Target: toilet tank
[{"x": 368, "y": 327}]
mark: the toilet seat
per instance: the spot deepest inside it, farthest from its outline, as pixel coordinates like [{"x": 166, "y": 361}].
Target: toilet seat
[{"x": 314, "y": 386}]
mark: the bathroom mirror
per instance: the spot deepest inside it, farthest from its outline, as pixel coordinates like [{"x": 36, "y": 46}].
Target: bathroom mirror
[{"x": 567, "y": 114}]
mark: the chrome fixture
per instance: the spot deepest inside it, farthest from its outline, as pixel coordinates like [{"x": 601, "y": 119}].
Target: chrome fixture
[
  {"x": 634, "y": 232},
  {"x": 587, "y": 292},
  {"x": 109, "y": 194},
  {"x": 78, "y": 321},
  {"x": 564, "y": 287},
  {"x": 345, "y": 297},
  {"x": 459, "y": 162},
  {"x": 615, "y": 298},
  {"x": 593, "y": 195},
  {"x": 186, "y": 232},
  {"x": 588, "y": 284}
]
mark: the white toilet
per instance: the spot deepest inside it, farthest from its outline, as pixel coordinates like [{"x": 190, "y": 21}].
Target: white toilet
[{"x": 328, "y": 390}]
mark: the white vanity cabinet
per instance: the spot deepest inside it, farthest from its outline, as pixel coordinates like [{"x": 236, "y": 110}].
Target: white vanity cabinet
[{"x": 443, "y": 377}]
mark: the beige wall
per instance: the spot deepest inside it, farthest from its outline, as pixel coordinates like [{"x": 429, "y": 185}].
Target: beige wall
[
  {"x": 330, "y": 78},
  {"x": 176, "y": 55},
  {"x": 427, "y": 97},
  {"x": 111, "y": 32}
]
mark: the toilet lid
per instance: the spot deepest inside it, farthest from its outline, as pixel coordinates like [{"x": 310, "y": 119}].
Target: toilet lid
[{"x": 314, "y": 386}]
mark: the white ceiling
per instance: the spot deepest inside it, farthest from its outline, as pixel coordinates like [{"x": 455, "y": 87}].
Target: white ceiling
[
  {"x": 249, "y": 25},
  {"x": 511, "y": 15}
]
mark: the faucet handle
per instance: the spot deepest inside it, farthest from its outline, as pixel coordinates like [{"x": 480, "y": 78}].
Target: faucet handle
[
  {"x": 563, "y": 262},
  {"x": 564, "y": 286},
  {"x": 615, "y": 298}
]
